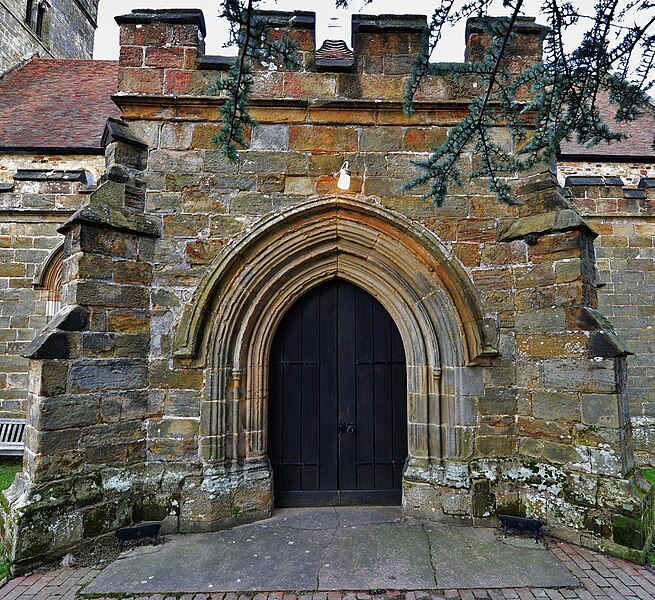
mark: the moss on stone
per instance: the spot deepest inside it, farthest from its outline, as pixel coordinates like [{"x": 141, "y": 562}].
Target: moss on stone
[
  {"x": 628, "y": 531},
  {"x": 649, "y": 475},
  {"x": 516, "y": 508}
]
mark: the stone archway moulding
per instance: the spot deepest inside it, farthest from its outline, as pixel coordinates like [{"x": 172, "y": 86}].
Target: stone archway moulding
[{"x": 230, "y": 325}]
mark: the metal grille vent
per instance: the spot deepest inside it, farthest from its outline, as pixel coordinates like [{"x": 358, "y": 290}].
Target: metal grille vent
[{"x": 334, "y": 50}]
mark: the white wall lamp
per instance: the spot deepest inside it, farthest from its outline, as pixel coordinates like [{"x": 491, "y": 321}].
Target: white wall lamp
[{"x": 344, "y": 176}]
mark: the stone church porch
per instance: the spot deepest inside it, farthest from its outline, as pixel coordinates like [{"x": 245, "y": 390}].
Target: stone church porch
[{"x": 150, "y": 389}]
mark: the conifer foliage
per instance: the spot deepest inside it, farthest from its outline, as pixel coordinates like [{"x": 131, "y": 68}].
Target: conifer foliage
[
  {"x": 615, "y": 59},
  {"x": 252, "y": 36}
]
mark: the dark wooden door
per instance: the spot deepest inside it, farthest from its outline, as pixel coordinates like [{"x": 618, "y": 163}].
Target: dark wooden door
[{"x": 337, "y": 401}]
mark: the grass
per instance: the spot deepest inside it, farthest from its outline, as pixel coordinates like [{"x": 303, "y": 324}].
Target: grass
[
  {"x": 9, "y": 466},
  {"x": 649, "y": 475}
]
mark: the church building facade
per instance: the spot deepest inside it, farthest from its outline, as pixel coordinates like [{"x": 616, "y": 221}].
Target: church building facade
[{"x": 235, "y": 336}]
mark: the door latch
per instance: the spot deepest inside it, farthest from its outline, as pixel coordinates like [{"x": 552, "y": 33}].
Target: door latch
[{"x": 347, "y": 428}]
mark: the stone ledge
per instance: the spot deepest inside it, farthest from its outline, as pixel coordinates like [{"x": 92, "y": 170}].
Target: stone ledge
[
  {"x": 117, "y": 130},
  {"x": 215, "y": 63},
  {"x": 603, "y": 340},
  {"x": 106, "y": 208},
  {"x": 52, "y": 175},
  {"x": 522, "y": 25},
  {"x": 395, "y": 23},
  {"x": 300, "y": 19},
  {"x": 175, "y": 16},
  {"x": 53, "y": 340},
  {"x": 551, "y": 222},
  {"x": 597, "y": 180}
]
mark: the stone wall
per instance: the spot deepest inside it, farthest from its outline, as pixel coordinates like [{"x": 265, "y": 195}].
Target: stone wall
[
  {"x": 623, "y": 216},
  {"x": 37, "y": 194},
  {"x": 68, "y": 31},
  {"x": 631, "y": 173},
  {"x": 180, "y": 266}
]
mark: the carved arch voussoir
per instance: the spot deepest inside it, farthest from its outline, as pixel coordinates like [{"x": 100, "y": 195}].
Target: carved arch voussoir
[{"x": 325, "y": 238}]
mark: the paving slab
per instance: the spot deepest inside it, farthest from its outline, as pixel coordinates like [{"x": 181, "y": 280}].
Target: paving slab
[
  {"x": 336, "y": 548},
  {"x": 477, "y": 557},
  {"x": 378, "y": 556}
]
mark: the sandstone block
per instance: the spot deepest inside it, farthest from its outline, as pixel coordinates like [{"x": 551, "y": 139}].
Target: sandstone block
[
  {"x": 176, "y": 136},
  {"x": 305, "y": 186},
  {"x": 90, "y": 293},
  {"x": 62, "y": 413},
  {"x": 202, "y": 136},
  {"x": 555, "y": 405},
  {"x": 320, "y": 138},
  {"x": 423, "y": 139},
  {"x": 50, "y": 442},
  {"x": 600, "y": 409},
  {"x": 309, "y": 85},
  {"x": 224, "y": 226},
  {"x": 48, "y": 377},
  {"x": 178, "y": 428},
  {"x": 168, "y": 57},
  {"x": 201, "y": 509},
  {"x": 131, "y": 56},
  {"x": 580, "y": 374},
  {"x": 185, "y": 225},
  {"x": 560, "y": 453},
  {"x": 123, "y": 406},
  {"x": 270, "y": 138},
  {"x": 128, "y": 321},
  {"x": 498, "y": 401},
  {"x": 552, "y": 344},
  {"x": 106, "y": 517},
  {"x": 544, "y": 429},
  {"x": 380, "y": 139},
  {"x": 276, "y": 163},
  {"x": 175, "y": 161},
  {"x": 495, "y": 445},
  {"x": 140, "y": 81},
  {"x": 107, "y": 375}
]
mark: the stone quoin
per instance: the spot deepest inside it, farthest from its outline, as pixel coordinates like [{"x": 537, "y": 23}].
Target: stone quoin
[{"x": 149, "y": 389}]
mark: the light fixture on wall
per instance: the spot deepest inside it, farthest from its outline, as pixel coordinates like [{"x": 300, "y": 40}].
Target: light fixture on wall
[{"x": 344, "y": 177}]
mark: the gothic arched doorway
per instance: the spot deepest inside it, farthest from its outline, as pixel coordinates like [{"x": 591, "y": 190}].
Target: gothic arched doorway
[{"x": 338, "y": 400}]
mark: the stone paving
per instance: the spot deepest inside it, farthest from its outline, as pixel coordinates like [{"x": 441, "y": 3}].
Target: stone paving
[{"x": 599, "y": 577}]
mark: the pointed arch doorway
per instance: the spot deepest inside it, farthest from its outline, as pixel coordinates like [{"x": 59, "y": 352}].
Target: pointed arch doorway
[{"x": 338, "y": 400}]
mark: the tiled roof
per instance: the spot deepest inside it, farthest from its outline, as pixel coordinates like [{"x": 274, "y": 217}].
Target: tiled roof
[
  {"x": 637, "y": 145},
  {"x": 57, "y": 104}
]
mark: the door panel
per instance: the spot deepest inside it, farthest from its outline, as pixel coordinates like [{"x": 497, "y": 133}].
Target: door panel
[{"x": 337, "y": 406}]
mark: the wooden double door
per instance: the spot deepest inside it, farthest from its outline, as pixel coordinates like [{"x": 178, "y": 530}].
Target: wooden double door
[{"x": 337, "y": 401}]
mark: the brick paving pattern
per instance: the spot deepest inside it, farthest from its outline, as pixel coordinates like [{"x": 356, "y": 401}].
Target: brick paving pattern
[{"x": 601, "y": 577}]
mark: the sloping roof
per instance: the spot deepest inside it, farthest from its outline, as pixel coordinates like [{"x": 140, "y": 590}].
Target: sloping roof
[
  {"x": 636, "y": 146},
  {"x": 62, "y": 104}
]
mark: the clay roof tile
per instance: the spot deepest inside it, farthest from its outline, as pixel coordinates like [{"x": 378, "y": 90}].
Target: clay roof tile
[{"x": 57, "y": 103}]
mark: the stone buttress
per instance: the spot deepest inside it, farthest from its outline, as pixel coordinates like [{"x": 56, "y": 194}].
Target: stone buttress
[{"x": 148, "y": 392}]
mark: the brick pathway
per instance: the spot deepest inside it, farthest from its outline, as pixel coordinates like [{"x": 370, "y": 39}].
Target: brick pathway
[{"x": 601, "y": 577}]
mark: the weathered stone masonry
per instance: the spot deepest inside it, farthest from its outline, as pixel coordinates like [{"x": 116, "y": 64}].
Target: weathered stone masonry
[
  {"x": 67, "y": 31},
  {"x": 148, "y": 391}
]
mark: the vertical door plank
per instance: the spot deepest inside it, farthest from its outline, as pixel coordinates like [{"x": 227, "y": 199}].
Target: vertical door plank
[{"x": 328, "y": 375}]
